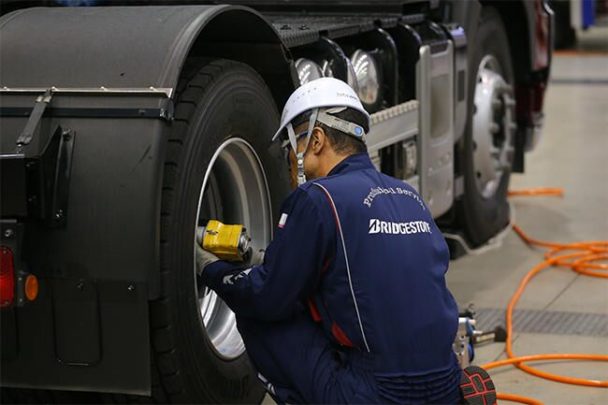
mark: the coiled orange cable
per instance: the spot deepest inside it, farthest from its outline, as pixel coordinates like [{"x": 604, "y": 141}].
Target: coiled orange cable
[{"x": 583, "y": 258}]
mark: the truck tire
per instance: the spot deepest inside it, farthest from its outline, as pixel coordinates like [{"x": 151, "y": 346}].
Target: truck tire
[
  {"x": 487, "y": 147},
  {"x": 224, "y": 118}
]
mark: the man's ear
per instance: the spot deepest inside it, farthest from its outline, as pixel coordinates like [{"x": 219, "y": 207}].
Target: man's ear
[{"x": 318, "y": 140}]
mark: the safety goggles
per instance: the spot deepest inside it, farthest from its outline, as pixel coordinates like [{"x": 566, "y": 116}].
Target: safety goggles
[{"x": 286, "y": 146}]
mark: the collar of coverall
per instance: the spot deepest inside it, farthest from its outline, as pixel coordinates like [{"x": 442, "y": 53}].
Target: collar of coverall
[{"x": 358, "y": 161}]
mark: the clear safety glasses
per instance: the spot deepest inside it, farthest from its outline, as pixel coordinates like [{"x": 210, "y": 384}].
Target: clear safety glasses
[{"x": 286, "y": 146}]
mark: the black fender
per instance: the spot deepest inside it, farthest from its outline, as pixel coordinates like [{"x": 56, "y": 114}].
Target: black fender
[
  {"x": 519, "y": 19},
  {"x": 113, "y": 72}
]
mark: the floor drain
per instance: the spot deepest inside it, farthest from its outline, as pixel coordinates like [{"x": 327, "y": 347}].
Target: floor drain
[{"x": 548, "y": 322}]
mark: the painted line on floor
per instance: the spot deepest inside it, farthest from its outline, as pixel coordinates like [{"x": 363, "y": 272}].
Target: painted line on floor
[
  {"x": 582, "y": 53},
  {"x": 581, "y": 81}
]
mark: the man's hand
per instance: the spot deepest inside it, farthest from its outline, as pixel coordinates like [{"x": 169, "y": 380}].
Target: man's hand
[{"x": 203, "y": 259}]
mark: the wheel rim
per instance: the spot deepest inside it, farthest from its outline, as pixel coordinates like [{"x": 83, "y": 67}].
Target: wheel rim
[
  {"x": 234, "y": 191},
  {"x": 493, "y": 126}
]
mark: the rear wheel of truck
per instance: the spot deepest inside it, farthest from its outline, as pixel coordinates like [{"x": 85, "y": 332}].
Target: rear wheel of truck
[
  {"x": 218, "y": 166},
  {"x": 487, "y": 148}
]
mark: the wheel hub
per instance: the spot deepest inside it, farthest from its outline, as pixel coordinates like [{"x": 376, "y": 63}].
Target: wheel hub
[
  {"x": 234, "y": 191},
  {"x": 493, "y": 127}
]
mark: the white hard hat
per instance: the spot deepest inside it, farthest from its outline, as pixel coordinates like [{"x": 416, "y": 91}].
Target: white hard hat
[{"x": 321, "y": 93}]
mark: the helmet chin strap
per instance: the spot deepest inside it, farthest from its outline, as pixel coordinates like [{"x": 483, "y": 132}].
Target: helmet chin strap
[{"x": 294, "y": 144}]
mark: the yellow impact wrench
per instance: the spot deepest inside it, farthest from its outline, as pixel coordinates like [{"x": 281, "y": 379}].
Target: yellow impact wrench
[{"x": 228, "y": 242}]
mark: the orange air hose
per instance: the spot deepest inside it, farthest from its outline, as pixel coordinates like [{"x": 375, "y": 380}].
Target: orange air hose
[
  {"x": 518, "y": 398},
  {"x": 583, "y": 257},
  {"x": 541, "y": 191}
]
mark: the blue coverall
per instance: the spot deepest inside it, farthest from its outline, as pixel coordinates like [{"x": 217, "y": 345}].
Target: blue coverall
[{"x": 350, "y": 304}]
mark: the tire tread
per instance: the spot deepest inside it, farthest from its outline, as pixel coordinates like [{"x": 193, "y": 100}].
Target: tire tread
[{"x": 197, "y": 77}]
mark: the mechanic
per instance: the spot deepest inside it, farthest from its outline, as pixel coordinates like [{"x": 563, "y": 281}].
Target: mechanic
[{"x": 350, "y": 303}]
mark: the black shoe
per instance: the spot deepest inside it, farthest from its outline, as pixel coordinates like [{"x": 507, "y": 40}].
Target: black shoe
[{"x": 477, "y": 387}]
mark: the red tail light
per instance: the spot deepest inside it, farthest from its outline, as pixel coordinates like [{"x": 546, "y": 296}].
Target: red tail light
[{"x": 7, "y": 277}]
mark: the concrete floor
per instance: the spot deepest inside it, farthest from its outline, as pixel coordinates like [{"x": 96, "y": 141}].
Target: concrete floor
[{"x": 572, "y": 154}]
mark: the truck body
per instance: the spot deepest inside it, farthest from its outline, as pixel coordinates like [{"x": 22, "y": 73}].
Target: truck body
[{"x": 125, "y": 125}]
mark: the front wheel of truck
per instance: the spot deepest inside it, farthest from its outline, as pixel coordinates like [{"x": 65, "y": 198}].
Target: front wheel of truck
[{"x": 487, "y": 147}]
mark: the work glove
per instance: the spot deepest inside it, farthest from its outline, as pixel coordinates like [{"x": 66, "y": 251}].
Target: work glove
[{"x": 203, "y": 259}]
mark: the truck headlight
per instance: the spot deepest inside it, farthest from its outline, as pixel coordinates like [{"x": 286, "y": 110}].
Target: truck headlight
[
  {"x": 308, "y": 70},
  {"x": 366, "y": 73}
]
